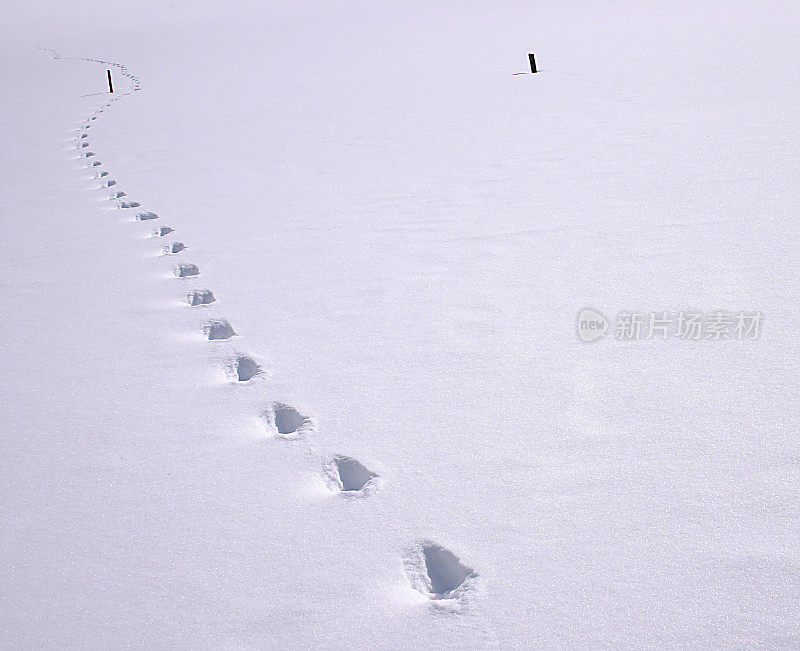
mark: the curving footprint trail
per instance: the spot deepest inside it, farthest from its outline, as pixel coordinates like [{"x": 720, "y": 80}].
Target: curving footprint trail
[{"x": 432, "y": 569}]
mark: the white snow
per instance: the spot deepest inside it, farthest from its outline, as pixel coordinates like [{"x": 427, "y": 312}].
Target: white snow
[{"x": 388, "y": 235}]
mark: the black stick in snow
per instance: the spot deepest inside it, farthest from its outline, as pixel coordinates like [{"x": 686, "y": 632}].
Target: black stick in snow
[
  {"x": 111, "y": 86},
  {"x": 532, "y": 60}
]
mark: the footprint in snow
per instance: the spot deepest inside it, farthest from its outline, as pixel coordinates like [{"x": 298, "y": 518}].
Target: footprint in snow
[
  {"x": 110, "y": 183},
  {"x": 348, "y": 476},
  {"x": 84, "y": 144},
  {"x": 184, "y": 270},
  {"x": 218, "y": 329},
  {"x": 117, "y": 195},
  {"x": 286, "y": 422},
  {"x": 175, "y": 247},
  {"x": 89, "y": 154},
  {"x": 161, "y": 231},
  {"x": 243, "y": 368},
  {"x": 437, "y": 573},
  {"x": 200, "y": 297},
  {"x": 96, "y": 163},
  {"x": 146, "y": 216},
  {"x": 129, "y": 204}
]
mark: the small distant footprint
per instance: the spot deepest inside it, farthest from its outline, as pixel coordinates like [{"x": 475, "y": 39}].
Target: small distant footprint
[
  {"x": 286, "y": 422},
  {"x": 110, "y": 183},
  {"x": 100, "y": 175},
  {"x": 129, "y": 204},
  {"x": 184, "y": 270},
  {"x": 161, "y": 231},
  {"x": 218, "y": 329},
  {"x": 146, "y": 216},
  {"x": 96, "y": 163},
  {"x": 89, "y": 154},
  {"x": 436, "y": 572},
  {"x": 117, "y": 195},
  {"x": 84, "y": 135},
  {"x": 243, "y": 368},
  {"x": 84, "y": 144},
  {"x": 200, "y": 297},
  {"x": 349, "y": 476},
  {"x": 175, "y": 247}
]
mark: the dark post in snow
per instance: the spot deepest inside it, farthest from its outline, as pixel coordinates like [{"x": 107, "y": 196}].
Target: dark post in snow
[
  {"x": 111, "y": 87},
  {"x": 533, "y": 62}
]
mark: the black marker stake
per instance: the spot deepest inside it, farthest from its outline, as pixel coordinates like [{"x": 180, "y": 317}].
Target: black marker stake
[
  {"x": 530, "y": 56},
  {"x": 111, "y": 87}
]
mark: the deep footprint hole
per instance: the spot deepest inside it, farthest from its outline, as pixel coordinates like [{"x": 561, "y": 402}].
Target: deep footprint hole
[
  {"x": 186, "y": 269},
  {"x": 218, "y": 329},
  {"x": 445, "y": 572},
  {"x": 351, "y": 475},
  {"x": 287, "y": 420},
  {"x": 200, "y": 297},
  {"x": 246, "y": 368}
]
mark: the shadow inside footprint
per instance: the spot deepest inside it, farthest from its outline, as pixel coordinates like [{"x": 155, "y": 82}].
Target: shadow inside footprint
[
  {"x": 436, "y": 572},
  {"x": 129, "y": 204},
  {"x": 146, "y": 216},
  {"x": 200, "y": 297},
  {"x": 218, "y": 329},
  {"x": 186, "y": 269},
  {"x": 175, "y": 247},
  {"x": 162, "y": 231},
  {"x": 245, "y": 368},
  {"x": 348, "y": 475},
  {"x": 286, "y": 421}
]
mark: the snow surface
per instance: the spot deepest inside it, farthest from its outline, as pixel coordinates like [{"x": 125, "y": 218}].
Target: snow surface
[{"x": 397, "y": 232}]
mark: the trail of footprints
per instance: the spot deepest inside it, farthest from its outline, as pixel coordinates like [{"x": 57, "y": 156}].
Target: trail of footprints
[{"x": 432, "y": 570}]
